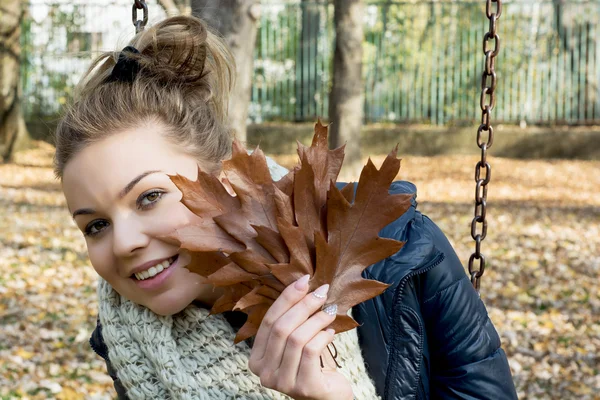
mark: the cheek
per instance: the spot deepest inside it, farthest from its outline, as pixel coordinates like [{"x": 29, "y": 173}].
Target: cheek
[
  {"x": 169, "y": 216},
  {"x": 101, "y": 258}
]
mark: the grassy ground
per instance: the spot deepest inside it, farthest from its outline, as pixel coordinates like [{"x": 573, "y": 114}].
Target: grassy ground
[{"x": 540, "y": 286}]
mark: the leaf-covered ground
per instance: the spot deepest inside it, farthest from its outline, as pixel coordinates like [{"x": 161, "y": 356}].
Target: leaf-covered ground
[{"x": 540, "y": 285}]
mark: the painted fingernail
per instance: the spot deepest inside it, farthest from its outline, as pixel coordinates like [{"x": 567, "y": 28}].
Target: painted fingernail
[
  {"x": 302, "y": 283},
  {"x": 321, "y": 292},
  {"x": 330, "y": 309},
  {"x": 330, "y": 331}
]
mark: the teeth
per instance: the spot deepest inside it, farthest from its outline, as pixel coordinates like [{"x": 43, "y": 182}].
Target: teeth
[{"x": 152, "y": 271}]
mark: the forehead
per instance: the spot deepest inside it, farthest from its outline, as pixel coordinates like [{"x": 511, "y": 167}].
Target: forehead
[
  {"x": 104, "y": 168},
  {"x": 130, "y": 146}
]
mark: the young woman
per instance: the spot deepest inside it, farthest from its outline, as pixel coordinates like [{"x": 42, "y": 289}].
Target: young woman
[{"x": 159, "y": 107}]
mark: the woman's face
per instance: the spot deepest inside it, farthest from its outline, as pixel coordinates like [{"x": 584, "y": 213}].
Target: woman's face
[{"x": 123, "y": 201}]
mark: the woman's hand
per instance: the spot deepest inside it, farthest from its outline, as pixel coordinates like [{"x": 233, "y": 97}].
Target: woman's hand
[{"x": 289, "y": 342}]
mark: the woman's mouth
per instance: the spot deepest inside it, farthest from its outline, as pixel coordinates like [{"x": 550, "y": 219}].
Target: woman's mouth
[{"x": 155, "y": 271}]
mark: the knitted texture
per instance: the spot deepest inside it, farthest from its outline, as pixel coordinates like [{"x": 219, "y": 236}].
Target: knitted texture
[
  {"x": 353, "y": 365},
  {"x": 191, "y": 355}
]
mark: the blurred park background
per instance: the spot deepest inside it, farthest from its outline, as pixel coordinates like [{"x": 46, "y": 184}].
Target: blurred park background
[{"x": 417, "y": 68}]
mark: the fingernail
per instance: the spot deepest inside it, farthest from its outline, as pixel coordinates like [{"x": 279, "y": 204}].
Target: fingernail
[
  {"x": 321, "y": 291},
  {"x": 302, "y": 283},
  {"x": 330, "y": 331},
  {"x": 330, "y": 309}
]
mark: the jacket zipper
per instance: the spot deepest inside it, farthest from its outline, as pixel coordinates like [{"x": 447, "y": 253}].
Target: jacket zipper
[{"x": 436, "y": 261}]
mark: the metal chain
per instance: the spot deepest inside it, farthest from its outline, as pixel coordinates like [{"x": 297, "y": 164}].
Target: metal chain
[
  {"x": 139, "y": 24},
  {"x": 487, "y": 101}
]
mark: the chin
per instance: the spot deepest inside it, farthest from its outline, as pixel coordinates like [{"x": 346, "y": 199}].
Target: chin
[
  {"x": 166, "y": 309},
  {"x": 166, "y": 306}
]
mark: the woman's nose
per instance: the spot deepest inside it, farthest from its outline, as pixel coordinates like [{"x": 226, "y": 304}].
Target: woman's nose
[{"x": 129, "y": 236}]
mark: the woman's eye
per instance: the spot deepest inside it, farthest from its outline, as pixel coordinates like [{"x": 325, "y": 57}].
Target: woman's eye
[
  {"x": 147, "y": 200},
  {"x": 95, "y": 227}
]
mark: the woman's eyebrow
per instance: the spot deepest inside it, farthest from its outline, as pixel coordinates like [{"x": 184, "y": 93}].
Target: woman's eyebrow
[
  {"x": 134, "y": 182},
  {"x": 83, "y": 211},
  {"x": 122, "y": 193}
]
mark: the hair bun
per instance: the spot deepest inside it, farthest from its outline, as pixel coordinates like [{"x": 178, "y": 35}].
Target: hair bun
[{"x": 174, "y": 50}]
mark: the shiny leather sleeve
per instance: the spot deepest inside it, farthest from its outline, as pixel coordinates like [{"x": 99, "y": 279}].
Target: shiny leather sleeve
[
  {"x": 467, "y": 361},
  {"x": 428, "y": 336}
]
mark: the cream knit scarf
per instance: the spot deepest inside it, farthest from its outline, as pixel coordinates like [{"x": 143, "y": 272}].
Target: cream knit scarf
[{"x": 191, "y": 355}]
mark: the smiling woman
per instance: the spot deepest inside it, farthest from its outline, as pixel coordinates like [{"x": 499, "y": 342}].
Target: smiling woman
[
  {"x": 141, "y": 115},
  {"x": 158, "y": 108},
  {"x": 126, "y": 206}
]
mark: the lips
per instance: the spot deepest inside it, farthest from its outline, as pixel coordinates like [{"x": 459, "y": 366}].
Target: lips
[
  {"x": 153, "y": 268},
  {"x": 158, "y": 281}
]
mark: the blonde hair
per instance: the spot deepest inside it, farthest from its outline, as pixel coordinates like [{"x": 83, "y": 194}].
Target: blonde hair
[{"x": 185, "y": 78}]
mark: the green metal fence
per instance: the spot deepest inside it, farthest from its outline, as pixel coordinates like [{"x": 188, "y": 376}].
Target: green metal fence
[{"x": 422, "y": 61}]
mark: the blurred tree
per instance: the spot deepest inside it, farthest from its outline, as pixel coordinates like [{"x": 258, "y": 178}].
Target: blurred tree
[
  {"x": 561, "y": 22},
  {"x": 237, "y": 21},
  {"x": 175, "y": 7},
  {"x": 346, "y": 98},
  {"x": 13, "y": 132},
  {"x": 306, "y": 58}
]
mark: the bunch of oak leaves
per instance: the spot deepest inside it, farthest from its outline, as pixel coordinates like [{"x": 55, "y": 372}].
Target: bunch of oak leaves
[{"x": 270, "y": 234}]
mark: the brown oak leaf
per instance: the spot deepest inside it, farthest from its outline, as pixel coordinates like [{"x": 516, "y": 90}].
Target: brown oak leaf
[{"x": 269, "y": 234}]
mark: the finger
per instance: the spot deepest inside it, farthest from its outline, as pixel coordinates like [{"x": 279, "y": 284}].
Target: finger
[
  {"x": 290, "y": 296},
  {"x": 289, "y": 322},
  {"x": 310, "y": 365},
  {"x": 297, "y": 341}
]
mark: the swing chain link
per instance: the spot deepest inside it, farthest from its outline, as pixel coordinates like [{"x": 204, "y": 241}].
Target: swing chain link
[
  {"x": 139, "y": 24},
  {"x": 487, "y": 101}
]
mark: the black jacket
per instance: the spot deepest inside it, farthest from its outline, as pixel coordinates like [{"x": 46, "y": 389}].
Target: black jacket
[{"x": 428, "y": 336}]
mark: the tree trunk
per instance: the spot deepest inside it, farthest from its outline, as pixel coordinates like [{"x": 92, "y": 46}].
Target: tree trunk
[
  {"x": 236, "y": 20},
  {"x": 175, "y": 7},
  {"x": 13, "y": 133},
  {"x": 561, "y": 24},
  {"x": 306, "y": 61},
  {"x": 170, "y": 7},
  {"x": 346, "y": 97}
]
